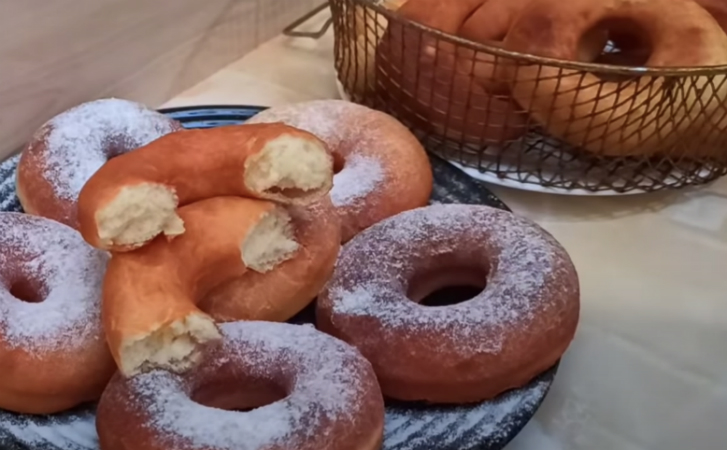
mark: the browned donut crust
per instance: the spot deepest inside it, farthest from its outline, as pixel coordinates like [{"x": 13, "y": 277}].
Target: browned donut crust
[
  {"x": 150, "y": 295},
  {"x": 281, "y": 293},
  {"x": 432, "y": 81},
  {"x": 639, "y": 117},
  {"x": 133, "y": 198},
  {"x": 384, "y": 170},
  {"x": 66, "y": 151},
  {"x": 309, "y": 391},
  {"x": 52, "y": 350},
  {"x": 516, "y": 328}
]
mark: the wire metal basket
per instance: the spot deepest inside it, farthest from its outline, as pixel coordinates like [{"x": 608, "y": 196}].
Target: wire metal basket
[{"x": 610, "y": 128}]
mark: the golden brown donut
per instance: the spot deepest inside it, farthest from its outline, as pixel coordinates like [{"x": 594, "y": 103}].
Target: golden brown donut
[
  {"x": 718, "y": 10},
  {"x": 308, "y": 390},
  {"x": 280, "y": 294},
  {"x": 365, "y": 28},
  {"x": 66, "y": 151},
  {"x": 431, "y": 80},
  {"x": 52, "y": 350},
  {"x": 133, "y": 198},
  {"x": 384, "y": 170},
  {"x": 629, "y": 118},
  {"x": 490, "y": 23},
  {"x": 516, "y": 328},
  {"x": 149, "y": 295}
]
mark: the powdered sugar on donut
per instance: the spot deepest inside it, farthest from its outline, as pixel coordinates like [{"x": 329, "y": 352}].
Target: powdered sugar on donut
[
  {"x": 359, "y": 178},
  {"x": 382, "y": 255},
  {"x": 80, "y": 140},
  {"x": 72, "y": 274},
  {"x": 327, "y": 385},
  {"x": 334, "y": 122},
  {"x": 330, "y": 120}
]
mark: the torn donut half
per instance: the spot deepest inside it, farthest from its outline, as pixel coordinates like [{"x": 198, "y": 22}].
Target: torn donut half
[
  {"x": 134, "y": 197},
  {"x": 150, "y": 296}
]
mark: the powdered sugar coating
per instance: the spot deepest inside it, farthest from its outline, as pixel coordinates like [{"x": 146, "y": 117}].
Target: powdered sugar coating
[
  {"x": 502, "y": 338},
  {"x": 329, "y": 382},
  {"x": 359, "y": 177},
  {"x": 71, "y": 274},
  {"x": 383, "y": 256},
  {"x": 339, "y": 124},
  {"x": 79, "y": 141}
]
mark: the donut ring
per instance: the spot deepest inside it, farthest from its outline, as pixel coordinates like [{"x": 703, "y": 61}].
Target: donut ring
[
  {"x": 491, "y": 21},
  {"x": 431, "y": 81},
  {"x": 280, "y": 294},
  {"x": 718, "y": 10},
  {"x": 150, "y": 295},
  {"x": 52, "y": 352},
  {"x": 385, "y": 170},
  {"x": 133, "y": 198},
  {"x": 518, "y": 327},
  {"x": 65, "y": 152},
  {"x": 635, "y": 118},
  {"x": 324, "y": 397}
]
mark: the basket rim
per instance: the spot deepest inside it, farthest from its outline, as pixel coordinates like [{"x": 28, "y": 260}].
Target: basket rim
[{"x": 392, "y": 15}]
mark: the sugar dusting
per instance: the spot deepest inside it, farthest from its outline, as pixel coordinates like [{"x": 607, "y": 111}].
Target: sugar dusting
[
  {"x": 383, "y": 254},
  {"x": 359, "y": 178},
  {"x": 72, "y": 273},
  {"x": 327, "y": 384},
  {"x": 82, "y": 139},
  {"x": 330, "y": 120},
  {"x": 337, "y": 122}
]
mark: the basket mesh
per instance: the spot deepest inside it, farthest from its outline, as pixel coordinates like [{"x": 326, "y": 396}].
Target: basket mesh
[{"x": 563, "y": 125}]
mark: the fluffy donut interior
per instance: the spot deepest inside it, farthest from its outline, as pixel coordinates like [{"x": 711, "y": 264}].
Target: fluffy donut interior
[
  {"x": 270, "y": 242},
  {"x": 139, "y": 213},
  {"x": 290, "y": 165},
  {"x": 175, "y": 345}
]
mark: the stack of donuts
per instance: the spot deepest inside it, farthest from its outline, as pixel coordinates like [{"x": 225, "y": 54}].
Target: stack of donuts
[
  {"x": 493, "y": 98},
  {"x": 156, "y": 266}
]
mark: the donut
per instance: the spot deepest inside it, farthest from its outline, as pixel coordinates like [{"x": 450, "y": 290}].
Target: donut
[
  {"x": 426, "y": 79},
  {"x": 65, "y": 152},
  {"x": 267, "y": 386},
  {"x": 133, "y": 198},
  {"x": 384, "y": 170},
  {"x": 52, "y": 349},
  {"x": 718, "y": 10},
  {"x": 364, "y": 28},
  {"x": 149, "y": 295},
  {"x": 489, "y": 24},
  {"x": 640, "y": 117},
  {"x": 515, "y": 329},
  {"x": 280, "y": 294}
]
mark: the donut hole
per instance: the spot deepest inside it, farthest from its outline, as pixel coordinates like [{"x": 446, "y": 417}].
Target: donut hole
[
  {"x": 290, "y": 167},
  {"x": 628, "y": 43},
  {"x": 28, "y": 291},
  {"x": 238, "y": 395},
  {"x": 138, "y": 214},
  {"x": 338, "y": 163},
  {"x": 447, "y": 286}
]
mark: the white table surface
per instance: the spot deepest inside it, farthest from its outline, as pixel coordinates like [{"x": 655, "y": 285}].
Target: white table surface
[{"x": 648, "y": 367}]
